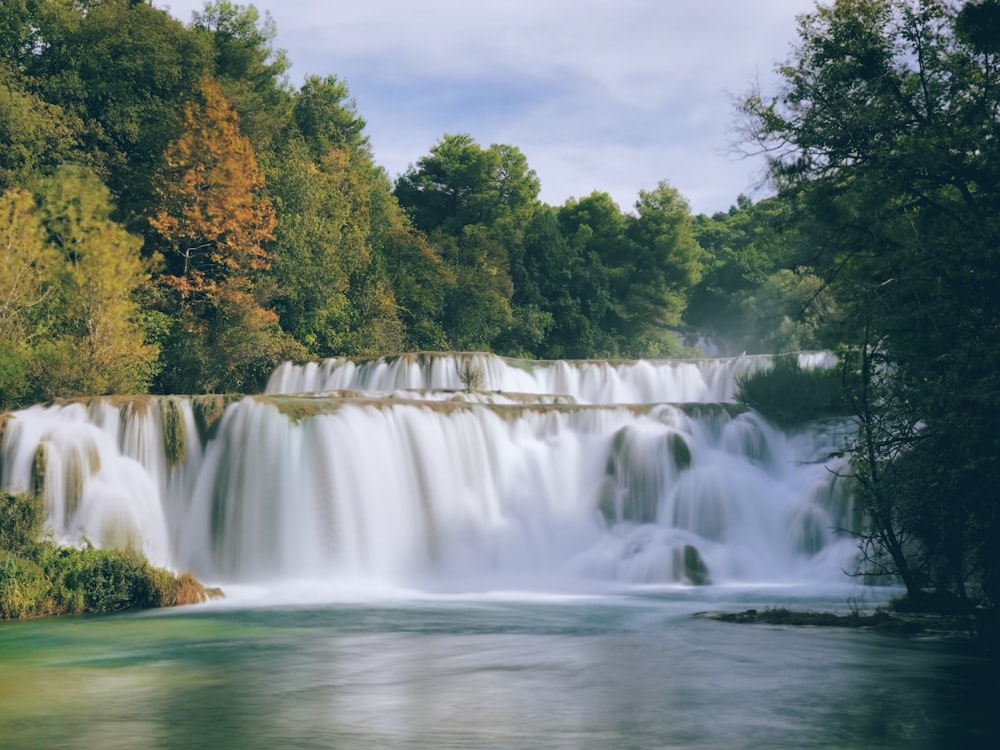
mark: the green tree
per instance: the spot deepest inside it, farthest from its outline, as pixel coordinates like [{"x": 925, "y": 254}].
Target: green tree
[
  {"x": 339, "y": 224},
  {"x": 885, "y": 124},
  {"x": 29, "y": 266},
  {"x": 461, "y": 184},
  {"x": 327, "y": 117},
  {"x": 249, "y": 69},
  {"x": 664, "y": 264},
  {"x": 474, "y": 205},
  {"x": 758, "y": 291},
  {"x": 125, "y": 69},
  {"x": 334, "y": 295},
  {"x": 37, "y": 136},
  {"x": 419, "y": 277},
  {"x": 98, "y": 344}
]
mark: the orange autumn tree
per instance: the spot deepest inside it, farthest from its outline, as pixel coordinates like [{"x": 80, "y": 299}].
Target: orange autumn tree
[
  {"x": 214, "y": 220},
  {"x": 212, "y": 213}
]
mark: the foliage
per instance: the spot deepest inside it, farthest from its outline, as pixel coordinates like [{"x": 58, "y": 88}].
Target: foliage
[
  {"x": 214, "y": 221},
  {"x": 37, "y": 577},
  {"x": 28, "y": 270},
  {"x": 212, "y": 214},
  {"x": 248, "y": 68},
  {"x": 37, "y": 136},
  {"x": 123, "y": 70},
  {"x": 758, "y": 292},
  {"x": 69, "y": 323},
  {"x": 789, "y": 395},
  {"x": 268, "y": 229},
  {"x": 884, "y": 128},
  {"x": 102, "y": 270},
  {"x": 21, "y": 518},
  {"x": 460, "y": 184}
]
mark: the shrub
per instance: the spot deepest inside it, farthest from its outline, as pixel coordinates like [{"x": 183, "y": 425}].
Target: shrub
[
  {"x": 789, "y": 396},
  {"x": 21, "y": 518},
  {"x": 24, "y": 588},
  {"x": 38, "y": 577}
]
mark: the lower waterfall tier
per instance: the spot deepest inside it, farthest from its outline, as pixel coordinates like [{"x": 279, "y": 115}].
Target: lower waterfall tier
[{"x": 425, "y": 493}]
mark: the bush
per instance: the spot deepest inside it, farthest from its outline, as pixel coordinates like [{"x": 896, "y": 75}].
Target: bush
[
  {"x": 21, "y": 518},
  {"x": 24, "y": 588},
  {"x": 38, "y": 577},
  {"x": 789, "y": 396}
]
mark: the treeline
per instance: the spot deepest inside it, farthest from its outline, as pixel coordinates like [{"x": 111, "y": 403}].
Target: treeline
[{"x": 175, "y": 216}]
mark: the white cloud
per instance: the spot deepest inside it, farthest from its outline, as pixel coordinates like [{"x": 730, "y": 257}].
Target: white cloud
[{"x": 600, "y": 95}]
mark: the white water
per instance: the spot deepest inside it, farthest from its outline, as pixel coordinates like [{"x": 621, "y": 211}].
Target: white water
[
  {"x": 470, "y": 494},
  {"x": 585, "y": 381}
]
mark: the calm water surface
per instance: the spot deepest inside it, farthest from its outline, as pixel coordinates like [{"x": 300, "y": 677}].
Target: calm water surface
[{"x": 623, "y": 671}]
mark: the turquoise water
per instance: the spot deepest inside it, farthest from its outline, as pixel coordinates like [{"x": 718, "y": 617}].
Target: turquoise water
[{"x": 519, "y": 671}]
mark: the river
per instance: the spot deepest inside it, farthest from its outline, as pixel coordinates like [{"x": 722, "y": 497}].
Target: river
[{"x": 630, "y": 669}]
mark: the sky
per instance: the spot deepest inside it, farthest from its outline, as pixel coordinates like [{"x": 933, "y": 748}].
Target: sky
[{"x": 607, "y": 95}]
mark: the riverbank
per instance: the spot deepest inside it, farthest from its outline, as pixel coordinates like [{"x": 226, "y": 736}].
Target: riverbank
[
  {"x": 39, "y": 578},
  {"x": 980, "y": 626}
]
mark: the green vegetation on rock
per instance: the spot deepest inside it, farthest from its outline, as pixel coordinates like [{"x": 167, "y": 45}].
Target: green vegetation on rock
[
  {"x": 790, "y": 396},
  {"x": 38, "y": 577}
]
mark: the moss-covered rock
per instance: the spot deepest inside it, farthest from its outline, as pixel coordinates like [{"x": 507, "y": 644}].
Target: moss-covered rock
[
  {"x": 690, "y": 567},
  {"x": 208, "y": 411},
  {"x": 174, "y": 429},
  {"x": 38, "y": 577}
]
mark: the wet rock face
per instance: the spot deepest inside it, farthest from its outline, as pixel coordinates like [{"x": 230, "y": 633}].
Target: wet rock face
[{"x": 691, "y": 567}]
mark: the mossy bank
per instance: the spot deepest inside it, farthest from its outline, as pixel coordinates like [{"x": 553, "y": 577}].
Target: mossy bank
[{"x": 39, "y": 578}]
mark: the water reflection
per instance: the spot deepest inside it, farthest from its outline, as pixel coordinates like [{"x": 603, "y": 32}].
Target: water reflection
[{"x": 612, "y": 673}]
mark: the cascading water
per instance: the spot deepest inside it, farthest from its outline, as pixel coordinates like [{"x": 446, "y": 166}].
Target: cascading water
[
  {"x": 411, "y": 481},
  {"x": 586, "y": 381}
]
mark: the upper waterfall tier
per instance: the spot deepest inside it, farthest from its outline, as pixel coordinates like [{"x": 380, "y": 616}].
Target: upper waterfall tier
[{"x": 584, "y": 381}]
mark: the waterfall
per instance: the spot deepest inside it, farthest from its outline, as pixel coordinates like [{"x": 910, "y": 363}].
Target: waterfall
[
  {"x": 605, "y": 472},
  {"x": 707, "y": 380}
]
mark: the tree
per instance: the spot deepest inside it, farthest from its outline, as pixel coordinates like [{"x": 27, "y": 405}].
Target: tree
[
  {"x": 249, "y": 69},
  {"x": 37, "y": 136},
  {"x": 212, "y": 215},
  {"x": 885, "y": 126},
  {"x": 98, "y": 343},
  {"x": 335, "y": 296},
  {"x": 595, "y": 229},
  {"x": 123, "y": 69},
  {"x": 27, "y": 264},
  {"x": 213, "y": 222},
  {"x": 758, "y": 292},
  {"x": 634, "y": 271},
  {"x": 28, "y": 268},
  {"x": 473, "y": 204},
  {"x": 326, "y": 117},
  {"x": 460, "y": 184},
  {"x": 665, "y": 263}
]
